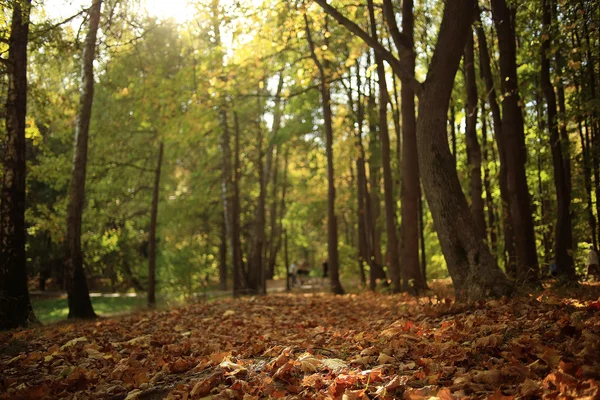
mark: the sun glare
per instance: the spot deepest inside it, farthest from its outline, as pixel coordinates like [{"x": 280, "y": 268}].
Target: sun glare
[{"x": 180, "y": 10}]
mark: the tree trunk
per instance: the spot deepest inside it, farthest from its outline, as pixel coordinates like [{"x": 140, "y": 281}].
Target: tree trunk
[
  {"x": 473, "y": 148},
  {"x": 256, "y": 268},
  {"x": 492, "y": 232},
  {"x": 374, "y": 202},
  {"x": 152, "y": 238},
  {"x": 80, "y": 305},
  {"x": 452, "y": 122},
  {"x": 410, "y": 193},
  {"x": 563, "y": 234},
  {"x": 507, "y": 225},
  {"x": 388, "y": 190},
  {"x": 514, "y": 135},
  {"x": 275, "y": 236},
  {"x": 422, "y": 239},
  {"x": 15, "y": 306},
  {"x": 332, "y": 235},
  {"x": 239, "y": 275},
  {"x": 223, "y": 256}
]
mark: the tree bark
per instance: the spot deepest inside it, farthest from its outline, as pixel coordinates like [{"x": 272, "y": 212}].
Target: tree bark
[
  {"x": 15, "y": 306},
  {"x": 514, "y": 135},
  {"x": 563, "y": 234},
  {"x": 152, "y": 238},
  {"x": 332, "y": 234},
  {"x": 388, "y": 190},
  {"x": 473, "y": 148},
  {"x": 80, "y": 305}
]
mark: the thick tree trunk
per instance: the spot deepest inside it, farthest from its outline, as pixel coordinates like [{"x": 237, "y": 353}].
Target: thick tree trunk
[
  {"x": 563, "y": 234},
  {"x": 388, "y": 190},
  {"x": 152, "y": 233},
  {"x": 514, "y": 135},
  {"x": 471, "y": 265},
  {"x": 15, "y": 306},
  {"x": 332, "y": 233},
  {"x": 507, "y": 226},
  {"x": 80, "y": 305},
  {"x": 473, "y": 148}
]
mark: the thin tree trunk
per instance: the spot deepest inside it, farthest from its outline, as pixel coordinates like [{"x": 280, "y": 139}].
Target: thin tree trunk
[
  {"x": 275, "y": 237},
  {"x": 514, "y": 135},
  {"x": 15, "y": 306},
  {"x": 410, "y": 193},
  {"x": 492, "y": 234},
  {"x": 152, "y": 233},
  {"x": 374, "y": 178},
  {"x": 388, "y": 190},
  {"x": 239, "y": 271},
  {"x": 452, "y": 123},
  {"x": 422, "y": 239},
  {"x": 223, "y": 255},
  {"x": 80, "y": 305},
  {"x": 332, "y": 234},
  {"x": 473, "y": 148},
  {"x": 510, "y": 256},
  {"x": 563, "y": 234}
]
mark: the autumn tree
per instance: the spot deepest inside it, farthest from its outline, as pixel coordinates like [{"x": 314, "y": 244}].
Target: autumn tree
[{"x": 80, "y": 305}]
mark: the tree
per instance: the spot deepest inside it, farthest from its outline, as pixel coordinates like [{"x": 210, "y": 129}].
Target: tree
[
  {"x": 332, "y": 234},
  {"x": 388, "y": 191},
  {"x": 514, "y": 139},
  {"x": 563, "y": 233},
  {"x": 486, "y": 72},
  {"x": 470, "y": 263},
  {"x": 152, "y": 233},
  {"x": 473, "y": 148},
  {"x": 80, "y": 305},
  {"x": 15, "y": 306}
]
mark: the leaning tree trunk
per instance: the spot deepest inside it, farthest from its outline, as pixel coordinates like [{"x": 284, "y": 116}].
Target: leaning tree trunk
[
  {"x": 80, "y": 305},
  {"x": 473, "y": 148},
  {"x": 473, "y": 270},
  {"x": 15, "y": 307},
  {"x": 514, "y": 135},
  {"x": 563, "y": 234},
  {"x": 152, "y": 233},
  {"x": 332, "y": 235},
  {"x": 388, "y": 191}
]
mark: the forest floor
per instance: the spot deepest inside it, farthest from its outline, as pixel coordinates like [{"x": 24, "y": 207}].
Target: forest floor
[{"x": 298, "y": 346}]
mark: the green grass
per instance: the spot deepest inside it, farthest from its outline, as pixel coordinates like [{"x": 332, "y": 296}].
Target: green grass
[{"x": 56, "y": 309}]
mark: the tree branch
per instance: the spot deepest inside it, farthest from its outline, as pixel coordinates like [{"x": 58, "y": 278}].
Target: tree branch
[
  {"x": 402, "y": 42},
  {"x": 405, "y": 76}
]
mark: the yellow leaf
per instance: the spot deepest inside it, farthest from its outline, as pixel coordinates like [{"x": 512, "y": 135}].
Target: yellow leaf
[{"x": 73, "y": 342}]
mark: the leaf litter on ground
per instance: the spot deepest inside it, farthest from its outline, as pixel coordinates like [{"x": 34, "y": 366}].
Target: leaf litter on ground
[{"x": 300, "y": 346}]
